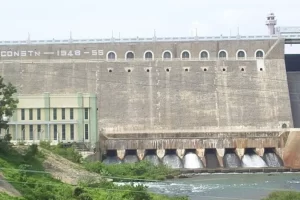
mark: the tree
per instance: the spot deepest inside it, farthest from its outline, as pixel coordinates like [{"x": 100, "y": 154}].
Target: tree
[{"x": 7, "y": 102}]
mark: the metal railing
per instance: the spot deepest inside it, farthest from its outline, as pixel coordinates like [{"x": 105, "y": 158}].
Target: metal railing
[{"x": 151, "y": 39}]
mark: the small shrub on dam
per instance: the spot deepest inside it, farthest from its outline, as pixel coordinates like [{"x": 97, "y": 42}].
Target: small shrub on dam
[
  {"x": 140, "y": 170},
  {"x": 283, "y": 195}
]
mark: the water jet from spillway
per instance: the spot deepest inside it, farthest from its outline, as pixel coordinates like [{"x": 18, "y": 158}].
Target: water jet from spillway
[
  {"x": 172, "y": 160},
  {"x": 251, "y": 159},
  {"x": 230, "y": 159},
  {"x": 131, "y": 157},
  {"x": 192, "y": 161},
  {"x": 152, "y": 157},
  {"x": 272, "y": 159},
  {"x": 111, "y": 158}
]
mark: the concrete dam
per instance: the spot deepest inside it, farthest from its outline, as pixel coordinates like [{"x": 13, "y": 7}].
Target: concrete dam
[{"x": 192, "y": 102}]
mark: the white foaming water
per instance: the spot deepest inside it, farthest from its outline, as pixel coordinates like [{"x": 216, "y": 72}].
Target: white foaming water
[
  {"x": 172, "y": 161},
  {"x": 153, "y": 159},
  {"x": 253, "y": 160},
  {"x": 112, "y": 160},
  {"x": 231, "y": 160},
  {"x": 192, "y": 161},
  {"x": 131, "y": 159},
  {"x": 272, "y": 160}
]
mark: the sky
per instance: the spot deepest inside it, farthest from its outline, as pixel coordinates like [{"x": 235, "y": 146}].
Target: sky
[{"x": 87, "y": 19}]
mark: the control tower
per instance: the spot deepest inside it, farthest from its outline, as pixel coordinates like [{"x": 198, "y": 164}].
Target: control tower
[{"x": 271, "y": 22}]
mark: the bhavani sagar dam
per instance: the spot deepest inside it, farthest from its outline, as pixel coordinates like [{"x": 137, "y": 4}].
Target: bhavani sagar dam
[{"x": 188, "y": 102}]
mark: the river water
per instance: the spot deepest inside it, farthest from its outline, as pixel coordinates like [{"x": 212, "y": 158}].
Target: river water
[{"x": 228, "y": 186}]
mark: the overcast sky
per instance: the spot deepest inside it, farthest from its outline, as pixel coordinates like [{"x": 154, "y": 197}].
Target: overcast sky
[{"x": 131, "y": 18}]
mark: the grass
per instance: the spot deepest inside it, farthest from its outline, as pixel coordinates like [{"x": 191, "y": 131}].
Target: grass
[
  {"x": 283, "y": 195},
  {"x": 141, "y": 170},
  {"x": 18, "y": 165}
]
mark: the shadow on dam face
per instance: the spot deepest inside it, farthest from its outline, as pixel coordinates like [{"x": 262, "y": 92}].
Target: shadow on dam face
[
  {"x": 150, "y": 155},
  {"x": 211, "y": 158}
]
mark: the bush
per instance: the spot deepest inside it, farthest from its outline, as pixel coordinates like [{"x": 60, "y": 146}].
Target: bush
[
  {"x": 85, "y": 196},
  {"x": 138, "y": 192},
  {"x": 77, "y": 191},
  {"x": 140, "y": 170},
  {"x": 66, "y": 151},
  {"x": 283, "y": 195}
]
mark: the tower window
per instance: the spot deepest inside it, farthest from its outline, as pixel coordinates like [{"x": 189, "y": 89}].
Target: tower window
[
  {"x": 63, "y": 132},
  {"x": 185, "y": 55},
  {"x": 23, "y": 114},
  {"x": 54, "y": 113},
  {"x": 148, "y": 55},
  {"x": 111, "y": 56},
  {"x": 129, "y": 55},
  {"x": 167, "y": 55},
  {"x": 86, "y": 113},
  {"x": 30, "y": 132},
  {"x": 55, "y": 132},
  {"x": 63, "y": 113},
  {"x": 38, "y": 114},
  {"x": 204, "y": 55},
  {"x": 241, "y": 55},
  {"x": 259, "y": 54},
  {"x": 39, "y": 129},
  {"x": 30, "y": 114},
  {"x": 222, "y": 55},
  {"x": 72, "y": 131},
  {"x": 86, "y": 131},
  {"x": 23, "y": 132},
  {"x": 71, "y": 113}
]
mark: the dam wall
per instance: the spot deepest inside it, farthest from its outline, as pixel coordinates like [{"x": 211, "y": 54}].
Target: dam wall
[{"x": 230, "y": 87}]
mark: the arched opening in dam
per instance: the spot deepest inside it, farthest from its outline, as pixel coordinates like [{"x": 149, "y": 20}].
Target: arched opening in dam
[
  {"x": 231, "y": 159},
  {"x": 211, "y": 158},
  {"x": 151, "y": 156},
  {"x": 191, "y": 160},
  {"x": 251, "y": 159},
  {"x": 111, "y": 157},
  {"x": 171, "y": 159},
  {"x": 271, "y": 158},
  {"x": 131, "y": 156}
]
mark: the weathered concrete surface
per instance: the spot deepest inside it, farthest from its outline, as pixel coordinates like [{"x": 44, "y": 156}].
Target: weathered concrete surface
[
  {"x": 158, "y": 100},
  {"x": 291, "y": 152},
  {"x": 200, "y": 140}
]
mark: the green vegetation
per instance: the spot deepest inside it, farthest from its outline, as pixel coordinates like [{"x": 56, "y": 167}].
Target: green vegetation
[
  {"x": 140, "y": 170},
  {"x": 67, "y": 152},
  {"x": 283, "y": 195},
  {"x": 23, "y": 169}
]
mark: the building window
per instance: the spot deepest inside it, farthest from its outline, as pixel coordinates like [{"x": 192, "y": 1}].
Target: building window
[
  {"x": 7, "y": 131},
  {"x": 185, "y": 55},
  {"x": 86, "y": 131},
  {"x": 63, "y": 132},
  {"x": 148, "y": 55},
  {"x": 71, "y": 113},
  {"x": 55, "y": 132},
  {"x": 23, "y": 132},
  {"x": 222, "y": 55},
  {"x": 30, "y": 114},
  {"x": 86, "y": 113},
  {"x": 54, "y": 113},
  {"x": 72, "y": 131},
  {"x": 23, "y": 114},
  {"x": 111, "y": 55},
  {"x": 30, "y": 132},
  {"x": 38, "y": 114},
  {"x": 204, "y": 55},
  {"x": 129, "y": 55},
  {"x": 241, "y": 54},
  {"x": 259, "y": 54},
  {"x": 167, "y": 55},
  {"x": 39, "y": 130},
  {"x": 63, "y": 113}
]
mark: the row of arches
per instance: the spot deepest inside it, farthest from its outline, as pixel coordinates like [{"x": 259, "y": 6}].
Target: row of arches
[{"x": 186, "y": 55}]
